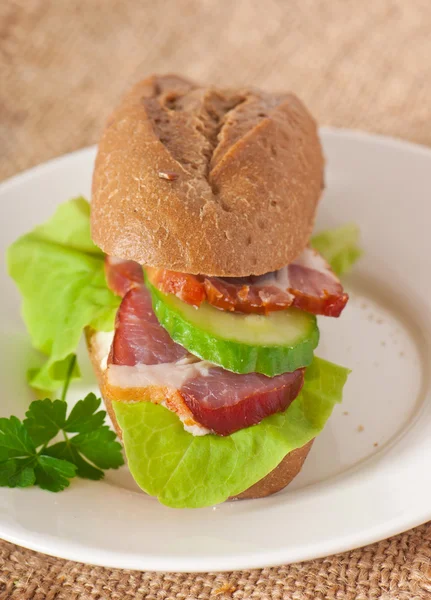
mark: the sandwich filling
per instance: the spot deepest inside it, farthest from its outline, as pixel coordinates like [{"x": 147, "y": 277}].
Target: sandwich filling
[
  {"x": 146, "y": 364},
  {"x": 143, "y": 358},
  {"x": 308, "y": 283}
]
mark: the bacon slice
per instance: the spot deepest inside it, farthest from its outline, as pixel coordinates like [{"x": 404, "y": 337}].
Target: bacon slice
[
  {"x": 146, "y": 364},
  {"x": 308, "y": 284}
]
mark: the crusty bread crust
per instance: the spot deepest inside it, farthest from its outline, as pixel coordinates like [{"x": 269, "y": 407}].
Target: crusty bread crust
[
  {"x": 202, "y": 180},
  {"x": 100, "y": 376},
  {"x": 279, "y": 477},
  {"x": 275, "y": 481}
]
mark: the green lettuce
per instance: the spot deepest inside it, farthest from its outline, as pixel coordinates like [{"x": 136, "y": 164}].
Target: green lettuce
[
  {"x": 60, "y": 274},
  {"x": 186, "y": 471},
  {"x": 339, "y": 246}
]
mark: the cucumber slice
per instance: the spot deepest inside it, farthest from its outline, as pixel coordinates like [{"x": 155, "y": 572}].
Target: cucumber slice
[{"x": 279, "y": 342}]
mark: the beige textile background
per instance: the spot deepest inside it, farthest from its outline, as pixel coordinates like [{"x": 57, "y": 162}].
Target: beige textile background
[{"x": 63, "y": 65}]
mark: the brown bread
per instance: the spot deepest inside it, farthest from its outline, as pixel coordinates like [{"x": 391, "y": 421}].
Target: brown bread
[{"x": 203, "y": 180}]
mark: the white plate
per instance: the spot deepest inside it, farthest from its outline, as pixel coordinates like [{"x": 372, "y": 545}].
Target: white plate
[{"x": 367, "y": 476}]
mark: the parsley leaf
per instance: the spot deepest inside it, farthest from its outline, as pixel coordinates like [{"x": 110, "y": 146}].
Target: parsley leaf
[
  {"x": 53, "y": 474},
  {"x": 83, "y": 417},
  {"x": 99, "y": 447},
  {"x": 67, "y": 451},
  {"x": 87, "y": 451},
  {"x": 17, "y": 472},
  {"x": 14, "y": 439},
  {"x": 45, "y": 419},
  {"x": 26, "y": 459},
  {"x": 20, "y": 463}
]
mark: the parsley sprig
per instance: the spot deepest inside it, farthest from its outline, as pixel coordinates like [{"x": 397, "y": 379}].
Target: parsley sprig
[{"x": 26, "y": 458}]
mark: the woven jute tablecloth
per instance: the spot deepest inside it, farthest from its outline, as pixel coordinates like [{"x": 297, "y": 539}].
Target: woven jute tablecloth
[{"x": 365, "y": 65}]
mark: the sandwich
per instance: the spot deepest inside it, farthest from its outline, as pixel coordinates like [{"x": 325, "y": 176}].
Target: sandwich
[{"x": 202, "y": 288}]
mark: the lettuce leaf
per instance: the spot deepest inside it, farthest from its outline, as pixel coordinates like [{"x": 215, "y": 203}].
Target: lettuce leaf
[
  {"x": 60, "y": 274},
  {"x": 185, "y": 471},
  {"x": 339, "y": 246}
]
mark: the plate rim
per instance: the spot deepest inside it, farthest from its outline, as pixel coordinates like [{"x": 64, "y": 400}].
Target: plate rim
[
  {"x": 359, "y": 134},
  {"x": 66, "y": 549}
]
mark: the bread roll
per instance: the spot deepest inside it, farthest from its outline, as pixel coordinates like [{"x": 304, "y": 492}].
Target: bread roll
[{"x": 197, "y": 179}]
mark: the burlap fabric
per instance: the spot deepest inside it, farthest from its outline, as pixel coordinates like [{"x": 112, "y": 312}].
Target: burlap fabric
[{"x": 356, "y": 64}]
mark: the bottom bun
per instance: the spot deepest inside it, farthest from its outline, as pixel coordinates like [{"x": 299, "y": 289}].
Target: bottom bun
[
  {"x": 275, "y": 481},
  {"x": 279, "y": 477}
]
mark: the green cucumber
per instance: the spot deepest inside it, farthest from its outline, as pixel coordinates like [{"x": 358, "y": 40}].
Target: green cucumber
[{"x": 279, "y": 342}]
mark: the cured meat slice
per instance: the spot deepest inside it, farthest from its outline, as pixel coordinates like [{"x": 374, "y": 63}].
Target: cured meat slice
[
  {"x": 146, "y": 364},
  {"x": 139, "y": 338},
  {"x": 308, "y": 284},
  {"x": 189, "y": 288},
  {"x": 122, "y": 275},
  {"x": 225, "y": 402},
  {"x": 246, "y": 295}
]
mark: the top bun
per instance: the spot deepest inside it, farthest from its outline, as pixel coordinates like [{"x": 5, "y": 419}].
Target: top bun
[{"x": 204, "y": 180}]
